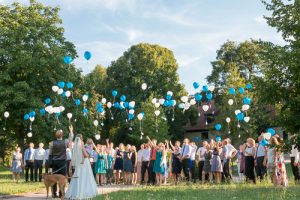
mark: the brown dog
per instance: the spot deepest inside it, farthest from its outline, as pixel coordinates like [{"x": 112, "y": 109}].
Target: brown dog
[{"x": 51, "y": 179}]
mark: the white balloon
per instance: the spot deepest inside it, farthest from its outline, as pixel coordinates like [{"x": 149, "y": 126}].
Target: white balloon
[
  {"x": 174, "y": 102},
  {"x": 69, "y": 115},
  {"x": 170, "y": 93},
  {"x": 68, "y": 93},
  {"x": 157, "y": 112},
  {"x": 49, "y": 109},
  {"x": 56, "y": 109},
  {"x": 228, "y": 120},
  {"x": 61, "y": 108},
  {"x": 237, "y": 112},
  {"x": 211, "y": 88},
  {"x": 267, "y": 135},
  {"x": 29, "y": 134},
  {"x": 31, "y": 119},
  {"x": 161, "y": 101},
  {"x": 205, "y": 108},
  {"x": 96, "y": 123},
  {"x": 154, "y": 100},
  {"x": 103, "y": 100},
  {"x": 55, "y": 88},
  {"x": 131, "y": 111},
  {"x": 97, "y": 136},
  {"x": 132, "y": 104},
  {"x": 109, "y": 104},
  {"x": 6, "y": 114},
  {"x": 60, "y": 91},
  {"x": 186, "y": 106},
  {"x": 230, "y": 102},
  {"x": 157, "y": 105},
  {"x": 102, "y": 113},
  {"x": 245, "y": 107},
  {"x": 247, "y": 119},
  {"x": 122, "y": 104},
  {"x": 85, "y": 97},
  {"x": 140, "y": 116},
  {"x": 144, "y": 86},
  {"x": 193, "y": 102},
  {"x": 184, "y": 99}
]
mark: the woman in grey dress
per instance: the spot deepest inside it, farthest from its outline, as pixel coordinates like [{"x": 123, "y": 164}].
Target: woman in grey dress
[
  {"x": 17, "y": 164},
  {"x": 207, "y": 164},
  {"x": 216, "y": 164}
]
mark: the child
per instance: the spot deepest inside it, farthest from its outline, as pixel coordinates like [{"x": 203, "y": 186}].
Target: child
[
  {"x": 101, "y": 166},
  {"x": 109, "y": 170}
]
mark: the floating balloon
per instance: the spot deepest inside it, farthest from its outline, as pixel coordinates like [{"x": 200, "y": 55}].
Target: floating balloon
[
  {"x": 31, "y": 119},
  {"x": 231, "y": 91},
  {"x": 61, "y": 84},
  {"x": 144, "y": 86},
  {"x": 32, "y": 114},
  {"x": 95, "y": 122},
  {"x": 85, "y": 98},
  {"x": 267, "y": 136},
  {"x": 211, "y": 88},
  {"x": 205, "y": 108},
  {"x": 172, "y": 103},
  {"x": 69, "y": 85},
  {"x": 49, "y": 109},
  {"x": 114, "y": 93},
  {"x": 69, "y": 115},
  {"x": 156, "y": 105},
  {"x": 6, "y": 114},
  {"x": 97, "y": 137},
  {"x": 170, "y": 93},
  {"x": 237, "y": 112},
  {"x": 218, "y": 138},
  {"x": 241, "y": 90},
  {"x": 272, "y": 131},
  {"x": 57, "y": 114},
  {"x": 264, "y": 142},
  {"x": 169, "y": 97},
  {"x": 166, "y": 103},
  {"x": 26, "y": 117},
  {"x": 67, "y": 60},
  {"x": 230, "y": 102},
  {"x": 157, "y": 112},
  {"x": 123, "y": 98},
  {"x": 55, "y": 88},
  {"x": 140, "y": 116},
  {"x": 131, "y": 111},
  {"x": 131, "y": 104},
  {"x": 161, "y": 101},
  {"x": 245, "y": 107},
  {"x": 103, "y": 100},
  {"x": 153, "y": 101},
  {"x": 116, "y": 105},
  {"x": 198, "y": 97},
  {"x": 240, "y": 116},
  {"x": 193, "y": 101},
  {"x": 87, "y": 55},
  {"x": 85, "y": 111},
  {"x": 181, "y": 105},
  {"x": 184, "y": 99},
  {"x": 247, "y": 100},
  {"x": 29, "y": 134},
  {"x": 247, "y": 119},
  {"x": 205, "y": 88},
  {"x": 130, "y": 116},
  {"x": 60, "y": 91},
  {"x": 249, "y": 86},
  {"x": 68, "y": 93},
  {"x": 61, "y": 108},
  {"x": 209, "y": 96},
  {"x": 218, "y": 127},
  {"x": 196, "y": 85},
  {"x": 77, "y": 102},
  {"x": 228, "y": 119},
  {"x": 109, "y": 104},
  {"x": 42, "y": 111}
]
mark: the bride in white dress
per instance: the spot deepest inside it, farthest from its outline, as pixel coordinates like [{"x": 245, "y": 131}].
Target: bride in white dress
[{"x": 83, "y": 184}]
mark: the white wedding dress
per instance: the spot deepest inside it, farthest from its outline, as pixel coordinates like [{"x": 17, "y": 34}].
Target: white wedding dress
[{"x": 83, "y": 184}]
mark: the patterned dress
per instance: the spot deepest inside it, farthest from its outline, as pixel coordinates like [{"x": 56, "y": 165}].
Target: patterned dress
[
  {"x": 207, "y": 165},
  {"x": 216, "y": 164},
  {"x": 17, "y": 163}
]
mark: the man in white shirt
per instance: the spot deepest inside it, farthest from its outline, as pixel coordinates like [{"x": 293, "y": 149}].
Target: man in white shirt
[
  {"x": 260, "y": 154},
  {"x": 145, "y": 158},
  {"x": 185, "y": 158},
  {"x": 193, "y": 156},
  {"x": 39, "y": 161},
  {"x": 200, "y": 157},
  {"x": 29, "y": 161},
  {"x": 295, "y": 163},
  {"x": 230, "y": 153}
]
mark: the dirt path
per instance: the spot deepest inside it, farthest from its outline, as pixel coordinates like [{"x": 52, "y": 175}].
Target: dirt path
[{"x": 42, "y": 194}]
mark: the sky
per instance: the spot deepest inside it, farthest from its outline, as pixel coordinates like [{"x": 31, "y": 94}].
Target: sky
[{"x": 192, "y": 29}]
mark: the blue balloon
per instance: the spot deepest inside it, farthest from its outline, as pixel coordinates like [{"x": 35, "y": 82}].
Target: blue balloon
[
  {"x": 264, "y": 142},
  {"x": 42, "y": 111},
  {"x": 247, "y": 100},
  {"x": 77, "y": 102},
  {"x": 47, "y": 101},
  {"x": 167, "y": 103},
  {"x": 85, "y": 110},
  {"x": 26, "y": 117},
  {"x": 99, "y": 105},
  {"x": 172, "y": 103},
  {"x": 69, "y": 85},
  {"x": 63, "y": 94},
  {"x": 231, "y": 91},
  {"x": 67, "y": 60},
  {"x": 272, "y": 131},
  {"x": 32, "y": 114},
  {"x": 123, "y": 98},
  {"x": 116, "y": 105},
  {"x": 100, "y": 110},
  {"x": 241, "y": 90},
  {"x": 218, "y": 127},
  {"x": 114, "y": 93},
  {"x": 130, "y": 116},
  {"x": 240, "y": 116},
  {"x": 197, "y": 139},
  {"x": 209, "y": 96},
  {"x": 87, "y": 55},
  {"x": 249, "y": 86},
  {"x": 61, "y": 84},
  {"x": 218, "y": 138},
  {"x": 196, "y": 85},
  {"x": 143, "y": 114},
  {"x": 121, "y": 106},
  {"x": 205, "y": 88},
  {"x": 57, "y": 114},
  {"x": 126, "y": 104},
  {"x": 198, "y": 97},
  {"x": 168, "y": 97}
]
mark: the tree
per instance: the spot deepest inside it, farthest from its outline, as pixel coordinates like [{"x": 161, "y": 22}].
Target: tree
[{"x": 32, "y": 48}]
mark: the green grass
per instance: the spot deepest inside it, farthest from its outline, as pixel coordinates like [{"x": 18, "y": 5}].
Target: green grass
[
  {"x": 8, "y": 187},
  {"x": 264, "y": 190}
]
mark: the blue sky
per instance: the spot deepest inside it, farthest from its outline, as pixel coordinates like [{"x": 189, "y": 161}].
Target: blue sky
[{"x": 192, "y": 29}]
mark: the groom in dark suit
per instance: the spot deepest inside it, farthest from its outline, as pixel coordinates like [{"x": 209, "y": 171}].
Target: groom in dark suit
[{"x": 58, "y": 157}]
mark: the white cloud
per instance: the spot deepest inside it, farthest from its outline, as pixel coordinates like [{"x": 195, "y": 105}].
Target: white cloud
[{"x": 260, "y": 19}]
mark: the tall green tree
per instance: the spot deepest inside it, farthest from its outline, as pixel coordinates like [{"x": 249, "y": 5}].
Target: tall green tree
[{"x": 32, "y": 48}]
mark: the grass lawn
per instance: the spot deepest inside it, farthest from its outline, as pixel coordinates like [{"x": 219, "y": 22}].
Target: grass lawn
[
  {"x": 8, "y": 187},
  {"x": 264, "y": 191}
]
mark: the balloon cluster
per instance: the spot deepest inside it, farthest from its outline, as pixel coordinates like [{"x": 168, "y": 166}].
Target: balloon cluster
[{"x": 267, "y": 136}]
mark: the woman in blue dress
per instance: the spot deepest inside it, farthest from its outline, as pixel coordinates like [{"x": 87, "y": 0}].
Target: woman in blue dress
[
  {"x": 118, "y": 165},
  {"x": 160, "y": 163},
  {"x": 101, "y": 166},
  {"x": 17, "y": 164}
]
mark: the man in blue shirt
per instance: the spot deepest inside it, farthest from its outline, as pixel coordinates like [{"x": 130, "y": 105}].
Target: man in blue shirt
[
  {"x": 29, "y": 161},
  {"x": 185, "y": 158}
]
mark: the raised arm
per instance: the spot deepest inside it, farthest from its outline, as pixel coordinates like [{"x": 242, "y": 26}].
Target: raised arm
[
  {"x": 71, "y": 136},
  {"x": 149, "y": 140},
  {"x": 107, "y": 142},
  {"x": 172, "y": 145}
]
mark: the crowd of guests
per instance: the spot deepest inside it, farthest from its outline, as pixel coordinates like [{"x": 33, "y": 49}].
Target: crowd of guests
[{"x": 154, "y": 162}]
